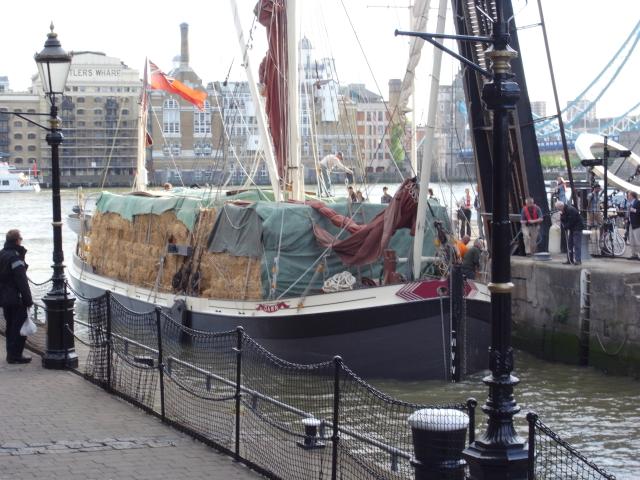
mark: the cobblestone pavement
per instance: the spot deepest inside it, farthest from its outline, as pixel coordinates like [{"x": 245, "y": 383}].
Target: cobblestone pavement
[{"x": 55, "y": 424}]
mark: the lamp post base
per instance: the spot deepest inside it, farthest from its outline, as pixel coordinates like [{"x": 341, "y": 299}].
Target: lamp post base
[
  {"x": 60, "y": 352},
  {"x": 489, "y": 463},
  {"x": 60, "y": 361}
]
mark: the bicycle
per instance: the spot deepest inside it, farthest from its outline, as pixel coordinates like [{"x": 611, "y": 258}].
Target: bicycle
[{"x": 611, "y": 241}]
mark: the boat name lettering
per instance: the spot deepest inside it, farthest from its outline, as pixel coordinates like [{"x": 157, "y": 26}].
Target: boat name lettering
[{"x": 272, "y": 307}]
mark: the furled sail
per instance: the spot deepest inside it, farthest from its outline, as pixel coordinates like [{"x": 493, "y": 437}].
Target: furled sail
[
  {"x": 367, "y": 244},
  {"x": 273, "y": 75}
]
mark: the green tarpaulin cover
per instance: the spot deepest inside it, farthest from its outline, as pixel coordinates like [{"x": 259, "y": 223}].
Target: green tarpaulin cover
[{"x": 285, "y": 231}]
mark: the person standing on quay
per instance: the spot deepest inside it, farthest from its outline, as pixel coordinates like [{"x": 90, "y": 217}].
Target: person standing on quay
[
  {"x": 386, "y": 198},
  {"x": 351, "y": 195},
  {"x": 478, "y": 207},
  {"x": 464, "y": 213},
  {"x": 530, "y": 220},
  {"x": 561, "y": 190},
  {"x": 15, "y": 295},
  {"x": 634, "y": 224},
  {"x": 594, "y": 215},
  {"x": 572, "y": 223}
]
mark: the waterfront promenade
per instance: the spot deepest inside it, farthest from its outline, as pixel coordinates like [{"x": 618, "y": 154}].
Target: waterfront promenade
[{"x": 55, "y": 424}]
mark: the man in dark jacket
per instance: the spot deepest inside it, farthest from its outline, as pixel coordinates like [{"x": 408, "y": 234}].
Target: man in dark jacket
[
  {"x": 15, "y": 295},
  {"x": 471, "y": 259},
  {"x": 572, "y": 223}
]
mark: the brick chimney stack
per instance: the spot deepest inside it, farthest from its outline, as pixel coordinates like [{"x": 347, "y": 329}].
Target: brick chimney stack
[{"x": 184, "y": 45}]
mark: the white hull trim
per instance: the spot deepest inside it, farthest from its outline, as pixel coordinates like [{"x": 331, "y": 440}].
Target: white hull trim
[{"x": 310, "y": 305}]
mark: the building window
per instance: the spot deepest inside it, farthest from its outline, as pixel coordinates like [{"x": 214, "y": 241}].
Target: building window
[
  {"x": 31, "y": 136},
  {"x": 80, "y": 111},
  {"x": 80, "y": 100},
  {"x": 17, "y": 136},
  {"x": 17, "y": 160},
  {"x": 17, "y": 124},
  {"x": 202, "y": 120},
  {"x": 18, "y": 148},
  {"x": 32, "y": 160},
  {"x": 31, "y": 148},
  {"x": 172, "y": 149},
  {"x": 97, "y": 111},
  {"x": 202, "y": 149},
  {"x": 171, "y": 116}
]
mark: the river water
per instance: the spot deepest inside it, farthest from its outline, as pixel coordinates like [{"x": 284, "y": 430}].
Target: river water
[{"x": 597, "y": 413}]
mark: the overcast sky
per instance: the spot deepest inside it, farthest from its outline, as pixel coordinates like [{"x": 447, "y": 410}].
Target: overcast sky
[{"x": 584, "y": 35}]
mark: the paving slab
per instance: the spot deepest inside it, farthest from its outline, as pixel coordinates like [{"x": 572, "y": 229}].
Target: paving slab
[{"x": 55, "y": 424}]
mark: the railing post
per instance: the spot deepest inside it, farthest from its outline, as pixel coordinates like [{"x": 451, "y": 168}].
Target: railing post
[
  {"x": 238, "y": 349},
  {"x": 335, "y": 436},
  {"x": 532, "y": 418},
  {"x": 160, "y": 361},
  {"x": 472, "y": 403},
  {"x": 109, "y": 338}
]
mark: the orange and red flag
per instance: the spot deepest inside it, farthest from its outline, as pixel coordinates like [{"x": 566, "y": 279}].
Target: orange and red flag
[{"x": 161, "y": 81}]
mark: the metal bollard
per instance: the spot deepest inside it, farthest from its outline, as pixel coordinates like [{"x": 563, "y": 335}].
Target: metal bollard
[
  {"x": 311, "y": 439},
  {"x": 438, "y": 441}
]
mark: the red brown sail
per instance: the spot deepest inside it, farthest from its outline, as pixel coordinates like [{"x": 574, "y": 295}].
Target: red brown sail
[{"x": 273, "y": 75}]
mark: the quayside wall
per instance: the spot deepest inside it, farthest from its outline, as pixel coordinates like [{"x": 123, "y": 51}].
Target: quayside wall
[{"x": 550, "y": 321}]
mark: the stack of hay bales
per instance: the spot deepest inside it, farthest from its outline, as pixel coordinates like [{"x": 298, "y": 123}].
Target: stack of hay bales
[
  {"x": 221, "y": 274},
  {"x": 136, "y": 252},
  {"x": 133, "y": 252}
]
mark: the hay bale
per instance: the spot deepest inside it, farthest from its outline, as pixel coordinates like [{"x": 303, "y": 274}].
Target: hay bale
[{"x": 132, "y": 251}]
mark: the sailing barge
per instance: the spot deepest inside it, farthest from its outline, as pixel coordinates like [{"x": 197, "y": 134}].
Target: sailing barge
[{"x": 260, "y": 264}]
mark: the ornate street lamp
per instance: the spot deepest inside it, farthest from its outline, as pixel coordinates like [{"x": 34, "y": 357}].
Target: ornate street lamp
[
  {"x": 498, "y": 453},
  {"x": 53, "y": 65}
]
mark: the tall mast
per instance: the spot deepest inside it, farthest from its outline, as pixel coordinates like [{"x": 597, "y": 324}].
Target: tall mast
[
  {"x": 141, "y": 179},
  {"x": 267, "y": 144},
  {"x": 294, "y": 172},
  {"x": 418, "y": 15},
  {"x": 427, "y": 145}
]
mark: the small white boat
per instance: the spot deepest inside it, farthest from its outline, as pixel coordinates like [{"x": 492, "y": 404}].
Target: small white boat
[{"x": 13, "y": 181}]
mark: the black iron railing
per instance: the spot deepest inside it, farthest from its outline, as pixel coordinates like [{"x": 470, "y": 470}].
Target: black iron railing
[
  {"x": 550, "y": 457},
  {"x": 283, "y": 419}
]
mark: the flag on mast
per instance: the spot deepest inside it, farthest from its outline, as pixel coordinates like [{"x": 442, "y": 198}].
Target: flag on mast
[{"x": 161, "y": 81}]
